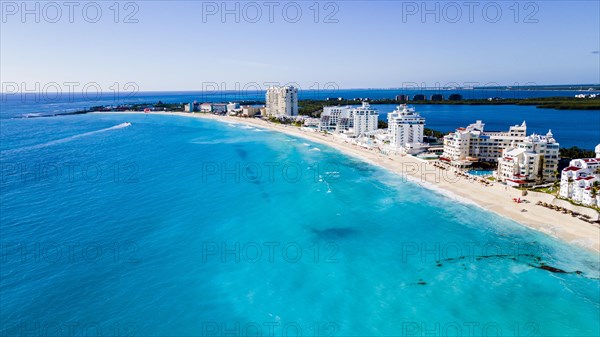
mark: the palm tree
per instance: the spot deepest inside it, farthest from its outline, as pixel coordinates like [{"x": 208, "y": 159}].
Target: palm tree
[{"x": 540, "y": 172}]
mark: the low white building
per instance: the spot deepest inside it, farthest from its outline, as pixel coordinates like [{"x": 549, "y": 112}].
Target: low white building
[
  {"x": 312, "y": 123},
  {"x": 233, "y": 108},
  {"x": 206, "y": 107},
  {"x": 217, "y": 108},
  {"x": 579, "y": 181},
  {"x": 250, "y": 111},
  {"x": 351, "y": 121},
  {"x": 192, "y": 107},
  {"x": 406, "y": 129},
  {"x": 331, "y": 116},
  {"x": 531, "y": 162}
]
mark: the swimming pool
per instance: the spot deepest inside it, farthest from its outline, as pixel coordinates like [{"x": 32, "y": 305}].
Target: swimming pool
[{"x": 480, "y": 173}]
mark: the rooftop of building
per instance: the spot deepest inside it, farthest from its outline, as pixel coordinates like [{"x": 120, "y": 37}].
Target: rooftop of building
[{"x": 571, "y": 168}]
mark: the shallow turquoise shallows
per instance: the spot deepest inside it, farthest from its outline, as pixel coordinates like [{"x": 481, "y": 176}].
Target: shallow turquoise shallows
[{"x": 173, "y": 226}]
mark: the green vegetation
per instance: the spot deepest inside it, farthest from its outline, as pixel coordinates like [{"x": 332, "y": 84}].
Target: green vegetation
[
  {"x": 158, "y": 106},
  {"x": 576, "y": 204},
  {"x": 553, "y": 190},
  {"x": 575, "y": 152},
  {"x": 484, "y": 165},
  {"x": 314, "y": 108},
  {"x": 559, "y": 103},
  {"x": 434, "y": 133},
  {"x": 283, "y": 121}
]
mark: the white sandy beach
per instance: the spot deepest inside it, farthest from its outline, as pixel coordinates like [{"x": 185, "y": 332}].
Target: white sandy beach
[{"x": 496, "y": 198}]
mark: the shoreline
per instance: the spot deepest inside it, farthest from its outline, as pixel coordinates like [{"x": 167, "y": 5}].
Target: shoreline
[{"x": 496, "y": 198}]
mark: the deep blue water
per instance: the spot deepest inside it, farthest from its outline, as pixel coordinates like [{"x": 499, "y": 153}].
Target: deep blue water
[
  {"x": 174, "y": 226},
  {"x": 570, "y": 127}
]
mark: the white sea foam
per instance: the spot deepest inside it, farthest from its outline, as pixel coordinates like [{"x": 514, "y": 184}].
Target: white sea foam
[
  {"x": 67, "y": 139},
  {"x": 29, "y": 115},
  {"x": 315, "y": 149},
  {"x": 425, "y": 184}
]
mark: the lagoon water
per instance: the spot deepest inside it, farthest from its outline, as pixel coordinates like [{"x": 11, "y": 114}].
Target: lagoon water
[
  {"x": 174, "y": 226},
  {"x": 570, "y": 127}
]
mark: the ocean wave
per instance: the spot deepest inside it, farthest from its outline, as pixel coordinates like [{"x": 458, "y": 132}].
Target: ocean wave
[
  {"x": 65, "y": 140},
  {"x": 30, "y": 115}
]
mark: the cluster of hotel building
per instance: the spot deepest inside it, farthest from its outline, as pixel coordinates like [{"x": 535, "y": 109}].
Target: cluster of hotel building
[
  {"x": 522, "y": 160},
  {"x": 579, "y": 181},
  {"x": 224, "y": 108},
  {"x": 280, "y": 102},
  {"x": 404, "y": 133}
]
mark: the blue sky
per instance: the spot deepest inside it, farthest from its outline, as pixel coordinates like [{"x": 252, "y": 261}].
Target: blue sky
[{"x": 185, "y": 45}]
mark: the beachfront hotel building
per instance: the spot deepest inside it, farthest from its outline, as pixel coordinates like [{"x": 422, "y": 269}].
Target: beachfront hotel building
[
  {"x": 473, "y": 143},
  {"x": 406, "y": 129},
  {"x": 330, "y": 117},
  {"x": 365, "y": 120},
  {"x": 250, "y": 111},
  {"x": 579, "y": 181},
  {"x": 282, "y": 101},
  {"x": 233, "y": 108},
  {"x": 192, "y": 107},
  {"x": 350, "y": 121},
  {"x": 533, "y": 161}
]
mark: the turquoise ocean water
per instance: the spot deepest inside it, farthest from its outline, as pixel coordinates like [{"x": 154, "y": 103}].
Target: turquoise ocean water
[
  {"x": 146, "y": 225},
  {"x": 173, "y": 226}
]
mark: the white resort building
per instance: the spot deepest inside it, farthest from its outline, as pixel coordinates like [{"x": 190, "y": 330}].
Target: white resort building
[
  {"x": 365, "y": 120},
  {"x": 533, "y": 161},
  {"x": 471, "y": 144},
  {"x": 282, "y": 101},
  {"x": 331, "y": 116},
  {"x": 406, "y": 129},
  {"x": 233, "y": 108},
  {"x": 579, "y": 181},
  {"x": 350, "y": 121}
]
